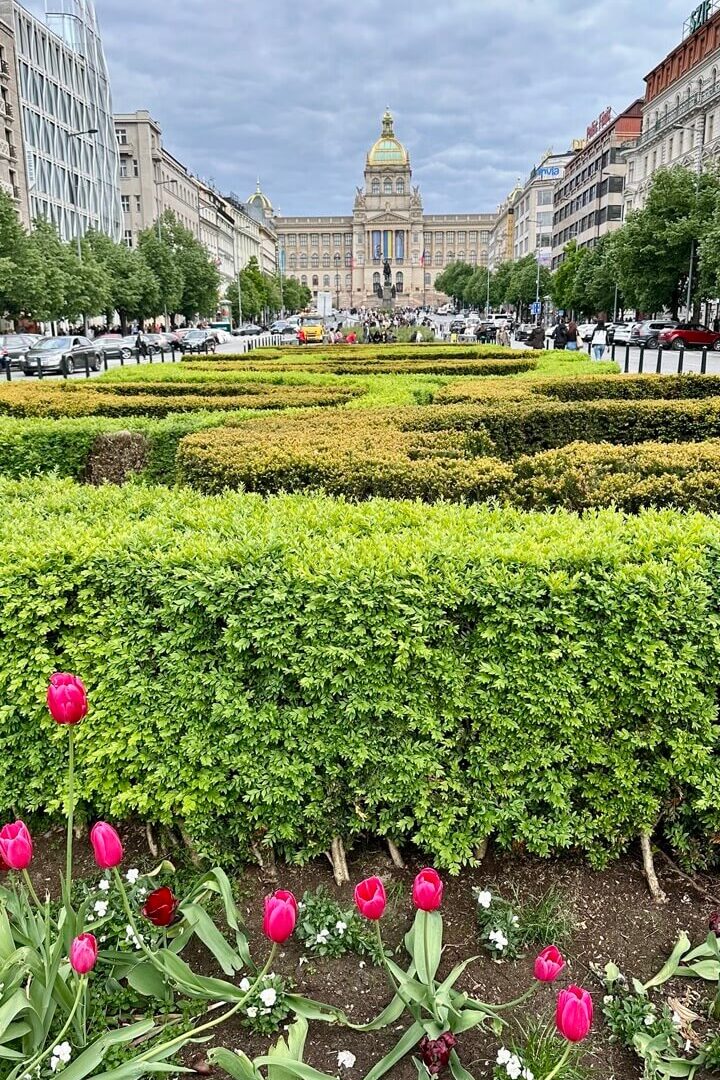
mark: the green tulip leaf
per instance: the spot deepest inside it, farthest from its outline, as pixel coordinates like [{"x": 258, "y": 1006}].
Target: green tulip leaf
[
  {"x": 308, "y": 1009},
  {"x": 427, "y": 944},
  {"x": 238, "y": 1066},
  {"x": 199, "y": 922},
  {"x": 670, "y": 967},
  {"x": 409, "y": 1040},
  {"x": 148, "y": 981},
  {"x": 458, "y": 1071},
  {"x": 709, "y": 970}
]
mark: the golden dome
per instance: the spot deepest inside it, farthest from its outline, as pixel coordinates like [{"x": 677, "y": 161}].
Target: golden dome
[
  {"x": 388, "y": 150},
  {"x": 260, "y": 200}
]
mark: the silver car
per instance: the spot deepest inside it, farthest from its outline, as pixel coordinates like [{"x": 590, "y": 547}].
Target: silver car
[{"x": 61, "y": 354}]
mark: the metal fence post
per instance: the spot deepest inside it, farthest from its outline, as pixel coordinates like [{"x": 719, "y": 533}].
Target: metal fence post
[
  {"x": 39, "y": 368},
  {"x": 105, "y": 359},
  {"x": 658, "y": 369},
  {"x": 681, "y": 361},
  {"x": 87, "y": 366},
  {"x": 138, "y": 356},
  {"x": 612, "y": 351},
  {"x": 172, "y": 351},
  {"x": 627, "y": 357},
  {"x": 703, "y": 363},
  {"x": 8, "y": 371},
  {"x": 162, "y": 355},
  {"x": 641, "y": 362}
]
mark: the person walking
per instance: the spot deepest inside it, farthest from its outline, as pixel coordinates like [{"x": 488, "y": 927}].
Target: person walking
[
  {"x": 599, "y": 340},
  {"x": 560, "y": 334},
  {"x": 503, "y": 337},
  {"x": 573, "y": 341},
  {"x": 536, "y": 337}
]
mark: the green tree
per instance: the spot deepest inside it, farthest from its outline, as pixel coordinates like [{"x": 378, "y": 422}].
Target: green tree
[
  {"x": 563, "y": 286},
  {"x": 296, "y": 297},
  {"x": 87, "y": 283},
  {"x": 200, "y": 292},
  {"x": 47, "y": 272},
  {"x": 14, "y": 278},
  {"x": 159, "y": 256},
  {"x": 500, "y": 285},
  {"x": 133, "y": 291},
  {"x": 454, "y": 280},
  {"x": 523, "y": 283}
]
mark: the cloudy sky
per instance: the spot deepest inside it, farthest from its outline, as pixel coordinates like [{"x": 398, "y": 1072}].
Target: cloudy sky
[{"x": 294, "y": 92}]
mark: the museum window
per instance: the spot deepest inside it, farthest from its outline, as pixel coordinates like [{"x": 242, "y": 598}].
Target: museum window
[
  {"x": 428, "y": 279},
  {"x": 400, "y": 187},
  {"x": 348, "y": 281},
  {"x": 303, "y": 240},
  {"x": 461, "y": 256},
  {"x": 326, "y": 258},
  {"x": 291, "y": 240},
  {"x": 303, "y": 280},
  {"x": 348, "y": 258},
  {"x": 314, "y": 240},
  {"x": 348, "y": 239},
  {"x": 326, "y": 239},
  {"x": 293, "y": 262},
  {"x": 473, "y": 237},
  {"x": 450, "y": 255},
  {"x": 461, "y": 237},
  {"x": 399, "y": 282},
  {"x": 473, "y": 257},
  {"x": 315, "y": 262},
  {"x": 387, "y": 186},
  {"x": 376, "y": 281},
  {"x": 326, "y": 281},
  {"x": 438, "y": 258},
  {"x": 376, "y": 186},
  {"x": 315, "y": 281},
  {"x": 337, "y": 239},
  {"x": 303, "y": 262}
]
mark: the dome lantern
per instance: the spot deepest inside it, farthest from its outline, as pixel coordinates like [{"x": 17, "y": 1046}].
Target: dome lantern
[{"x": 388, "y": 150}]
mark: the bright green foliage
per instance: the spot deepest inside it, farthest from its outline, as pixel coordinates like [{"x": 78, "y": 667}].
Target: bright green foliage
[{"x": 283, "y": 671}]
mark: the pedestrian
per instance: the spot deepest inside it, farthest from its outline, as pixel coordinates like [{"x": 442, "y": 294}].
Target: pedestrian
[
  {"x": 560, "y": 334},
  {"x": 573, "y": 338},
  {"x": 536, "y": 337},
  {"x": 141, "y": 346},
  {"x": 504, "y": 337},
  {"x": 599, "y": 340}
]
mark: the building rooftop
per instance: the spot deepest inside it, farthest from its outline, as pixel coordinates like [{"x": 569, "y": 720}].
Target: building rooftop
[{"x": 388, "y": 150}]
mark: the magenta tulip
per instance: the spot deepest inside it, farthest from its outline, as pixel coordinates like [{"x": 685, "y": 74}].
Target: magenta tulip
[
  {"x": 106, "y": 845},
  {"x": 67, "y": 699},
  {"x": 16, "y": 848},
  {"x": 83, "y": 953},
  {"x": 370, "y": 898},
  {"x": 428, "y": 890},
  {"x": 574, "y": 1013},
  {"x": 280, "y": 916},
  {"x": 549, "y": 964}
]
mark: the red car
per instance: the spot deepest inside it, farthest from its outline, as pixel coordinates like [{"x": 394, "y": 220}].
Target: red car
[{"x": 689, "y": 336}]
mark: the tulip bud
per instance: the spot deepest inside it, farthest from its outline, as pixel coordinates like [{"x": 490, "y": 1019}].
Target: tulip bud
[
  {"x": 106, "y": 846},
  {"x": 549, "y": 964},
  {"x": 16, "y": 848},
  {"x": 83, "y": 953},
  {"x": 714, "y": 922},
  {"x": 370, "y": 898},
  {"x": 67, "y": 699},
  {"x": 435, "y": 1053},
  {"x": 160, "y": 907},
  {"x": 574, "y": 1014},
  {"x": 427, "y": 890},
  {"x": 280, "y": 916}
]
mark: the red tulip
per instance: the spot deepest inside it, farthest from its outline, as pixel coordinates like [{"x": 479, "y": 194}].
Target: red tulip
[
  {"x": 16, "y": 846},
  {"x": 83, "y": 953},
  {"x": 715, "y": 922},
  {"x": 106, "y": 846},
  {"x": 428, "y": 890},
  {"x": 435, "y": 1053},
  {"x": 574, "y": 1013},
  {"x": 280, "y": 916},
  {"x": 370, "y": 898},
  {"x": 160, "y": 907},
  {"x": 549, "y": 964},
  {"x": 67, "y": 699}
]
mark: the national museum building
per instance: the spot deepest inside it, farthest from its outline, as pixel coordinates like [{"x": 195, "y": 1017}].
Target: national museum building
[{"x": 345, "y": 256}]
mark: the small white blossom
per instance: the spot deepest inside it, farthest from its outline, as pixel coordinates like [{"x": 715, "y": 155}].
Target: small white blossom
[
  {"x": 514, "y": 1067},
  {"x": 498, "y": 939},
  {"x": 484, "y": 899},
  {"x": 515, "y": 920},
  {"x": 245, "y": 985},
  {"x": 608, "y": 999},
  {"x": 677, "y": 1019},
  {"x": 322, "y": 937},
  {"x": 265, "y": 1012},
  {"x": 91, "y": 917},
  {"x": 341, "y": 927},
  {"x": 527, "y": 1074},
  {"x": 104, "y": 885},
  {"x": 100, "y": 908},
  {"x": 252, "y": 1012},
  {"x": 64, "y": 1052},
  {"x": 54, "y": 1062},
  {"x": 346, "y": 1060},
  {"x": 132, "y": 876},
  {"x": 504, "y": 1056},
  {"x": 649, "y": 1020},
  {"x": 268, "y": 997}
]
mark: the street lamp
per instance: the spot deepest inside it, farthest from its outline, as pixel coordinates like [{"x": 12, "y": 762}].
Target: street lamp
[
  {"x": 698, "y": 171},
  {"x": 541, "y": 223},
  {"x": 336, "y": 260},
  {"x": 159, "y": 184},
  {"x": 77, "y": 135}
]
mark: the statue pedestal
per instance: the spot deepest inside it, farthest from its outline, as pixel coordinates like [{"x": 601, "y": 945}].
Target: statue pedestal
[{"x": 387, "y": 298}]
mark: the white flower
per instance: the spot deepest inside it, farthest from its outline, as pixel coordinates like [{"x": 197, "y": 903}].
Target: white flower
[
  {"x": 322, "y": 937},
  {"x": 245, "y": 985},
  {"x": 265, "y": 1012},
  {"x": 527, "y": 1074},
  {"x": 649, "y": 1020},
  {"x": 515, "y": 920},
  {"x": 341, "y": 927},
  {"x": 100, "y": 908},
  {"x": 677, "y": 1019},
  {"x": 252, "y": 1012},
  {"x": 514, "y": 1067},
  {"x": 64, "y": 1052},
  {"x": 91, "y": 917},
  {"x": 504, "y": 1056},
  {"x": 498, "y": 939},
  {"x": 346, "y": 1060},
  {"x": 104, "y": 885},
  {"x": 54, "y": 1062},
  {"x": 268, "y": 997},
  {"x": 132, "y": 876},
  {"x": 484, "y": 899},
  {"x": 608, "y": 999}
]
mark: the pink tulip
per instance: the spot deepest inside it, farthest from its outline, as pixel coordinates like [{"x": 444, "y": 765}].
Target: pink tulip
[
  {"x": 106, "y": 845},
  {"x": 574, "y": 1013},
  {"x": 16, "y": 848},
  {"x": 370, "y": 898},
  {"x": 280, "y": 916},
  {"x": 549, "y": 964},
  {"x": 428, "y": 890},
  {"x": 67, "y": 699},
  {"x": 83, "y": 953}
]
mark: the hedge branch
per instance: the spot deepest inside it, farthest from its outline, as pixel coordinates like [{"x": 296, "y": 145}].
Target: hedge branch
[
  {"x": 397, "y": 859},
  {"x": 151, "y": 841},
  {"x": 339, "y": 862},
  {"x": 649, "y": 867}
]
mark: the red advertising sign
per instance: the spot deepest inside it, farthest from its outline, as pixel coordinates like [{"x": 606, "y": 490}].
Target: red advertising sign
[{"x": 602, "y": 121}]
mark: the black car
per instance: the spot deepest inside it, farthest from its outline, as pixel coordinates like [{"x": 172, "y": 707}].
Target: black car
[
  {"x": 61, "y": 354},
  {"x": 648, "y": 332},
  {"x": 199, "y": 341},
  {"x": 249, "y": 330},
  {"x": 13, "y": 348}
]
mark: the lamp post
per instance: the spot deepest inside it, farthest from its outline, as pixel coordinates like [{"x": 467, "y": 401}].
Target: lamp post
[
  {"x": 538, "y": 224},
  {"x": 698, "y": 171},
  {"x": 487, "y": 296},
  {"x": 336, "y": 260},
  {"x": 77, "y": 135},
  {"x": 160, "y": 184}
]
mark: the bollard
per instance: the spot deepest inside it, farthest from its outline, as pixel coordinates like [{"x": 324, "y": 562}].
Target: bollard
[
  {"x": 105, "y": 359},
  {"x": 642, "y": 360},
  {"x": 87, "y": 366},
  {"x": 703, "y": 364},
  {"x": 63, "y": 368},
  {"x": 162, "y": 354},
  {"x": 8, "y": 371},
  {"x": 658, "y": 369},
  {"x": 150, "y": 354},
  {"x": 138, "y": 357},
  {"x": 627, "y": 357},
  {"x": 612, "y": 351},
  {"x": 681, "y": 361},
  {"x": 172, "y": 351}
]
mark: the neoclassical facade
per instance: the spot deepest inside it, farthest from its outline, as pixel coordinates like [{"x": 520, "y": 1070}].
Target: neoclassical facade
[{"x": 345, "y": 256}]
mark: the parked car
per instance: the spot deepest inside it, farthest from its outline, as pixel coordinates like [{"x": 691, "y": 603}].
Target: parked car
[
  {"x": 110, "y": 345},
  {"x": 57, "y": 354},
  {"x": 648, "y": 332},
  {"x": 199, "y": 341},
  {"x": 689, "y": 336},
  {"x": 285, "y": 328},
  {"x": 13, "y": 348},
  {"x": 523, "y": 332},
  {"x": 623, "y": 331},
  {"x": 249, "y": 330},
  {"x": 457, "y": 326}
]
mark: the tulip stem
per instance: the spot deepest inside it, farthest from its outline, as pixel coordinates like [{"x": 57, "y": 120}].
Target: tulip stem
[
  {"x": 31, "y": 890},
  {"x": 180, "y": 1039},
  {"x": 131, "y": 918},
  {"x": 71, "y": 810},
  {"x": 561, "y": 1063},
  {"x": 28, "y": 1069}
]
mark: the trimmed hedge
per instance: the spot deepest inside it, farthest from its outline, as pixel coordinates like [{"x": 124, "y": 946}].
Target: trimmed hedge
[
  {"x": 283, "y": 671},
  {"x": 583, "y": 388},
  {"x": 331, "y": 366},
  {"x": 427, "y": 351},
  {"x": 138, "y": 399}
]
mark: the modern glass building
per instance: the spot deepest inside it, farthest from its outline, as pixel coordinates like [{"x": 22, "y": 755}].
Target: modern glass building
[{"x": 71, "y": 151}]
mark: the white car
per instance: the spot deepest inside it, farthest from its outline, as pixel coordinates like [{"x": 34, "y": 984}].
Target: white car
[
  {"x": 622, "y": 332},
  {"x": 222, "y": 337}
]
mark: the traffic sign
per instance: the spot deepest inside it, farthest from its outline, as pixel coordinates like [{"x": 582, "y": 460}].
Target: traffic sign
[{"x": 536, "y": 309}]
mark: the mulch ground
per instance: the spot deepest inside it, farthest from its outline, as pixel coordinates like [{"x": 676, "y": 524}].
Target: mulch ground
[{"x": 614, "y": 919}]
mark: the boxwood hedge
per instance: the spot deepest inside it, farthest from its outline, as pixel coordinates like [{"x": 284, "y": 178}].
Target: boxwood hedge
[{"x": 282, "y": 671}]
